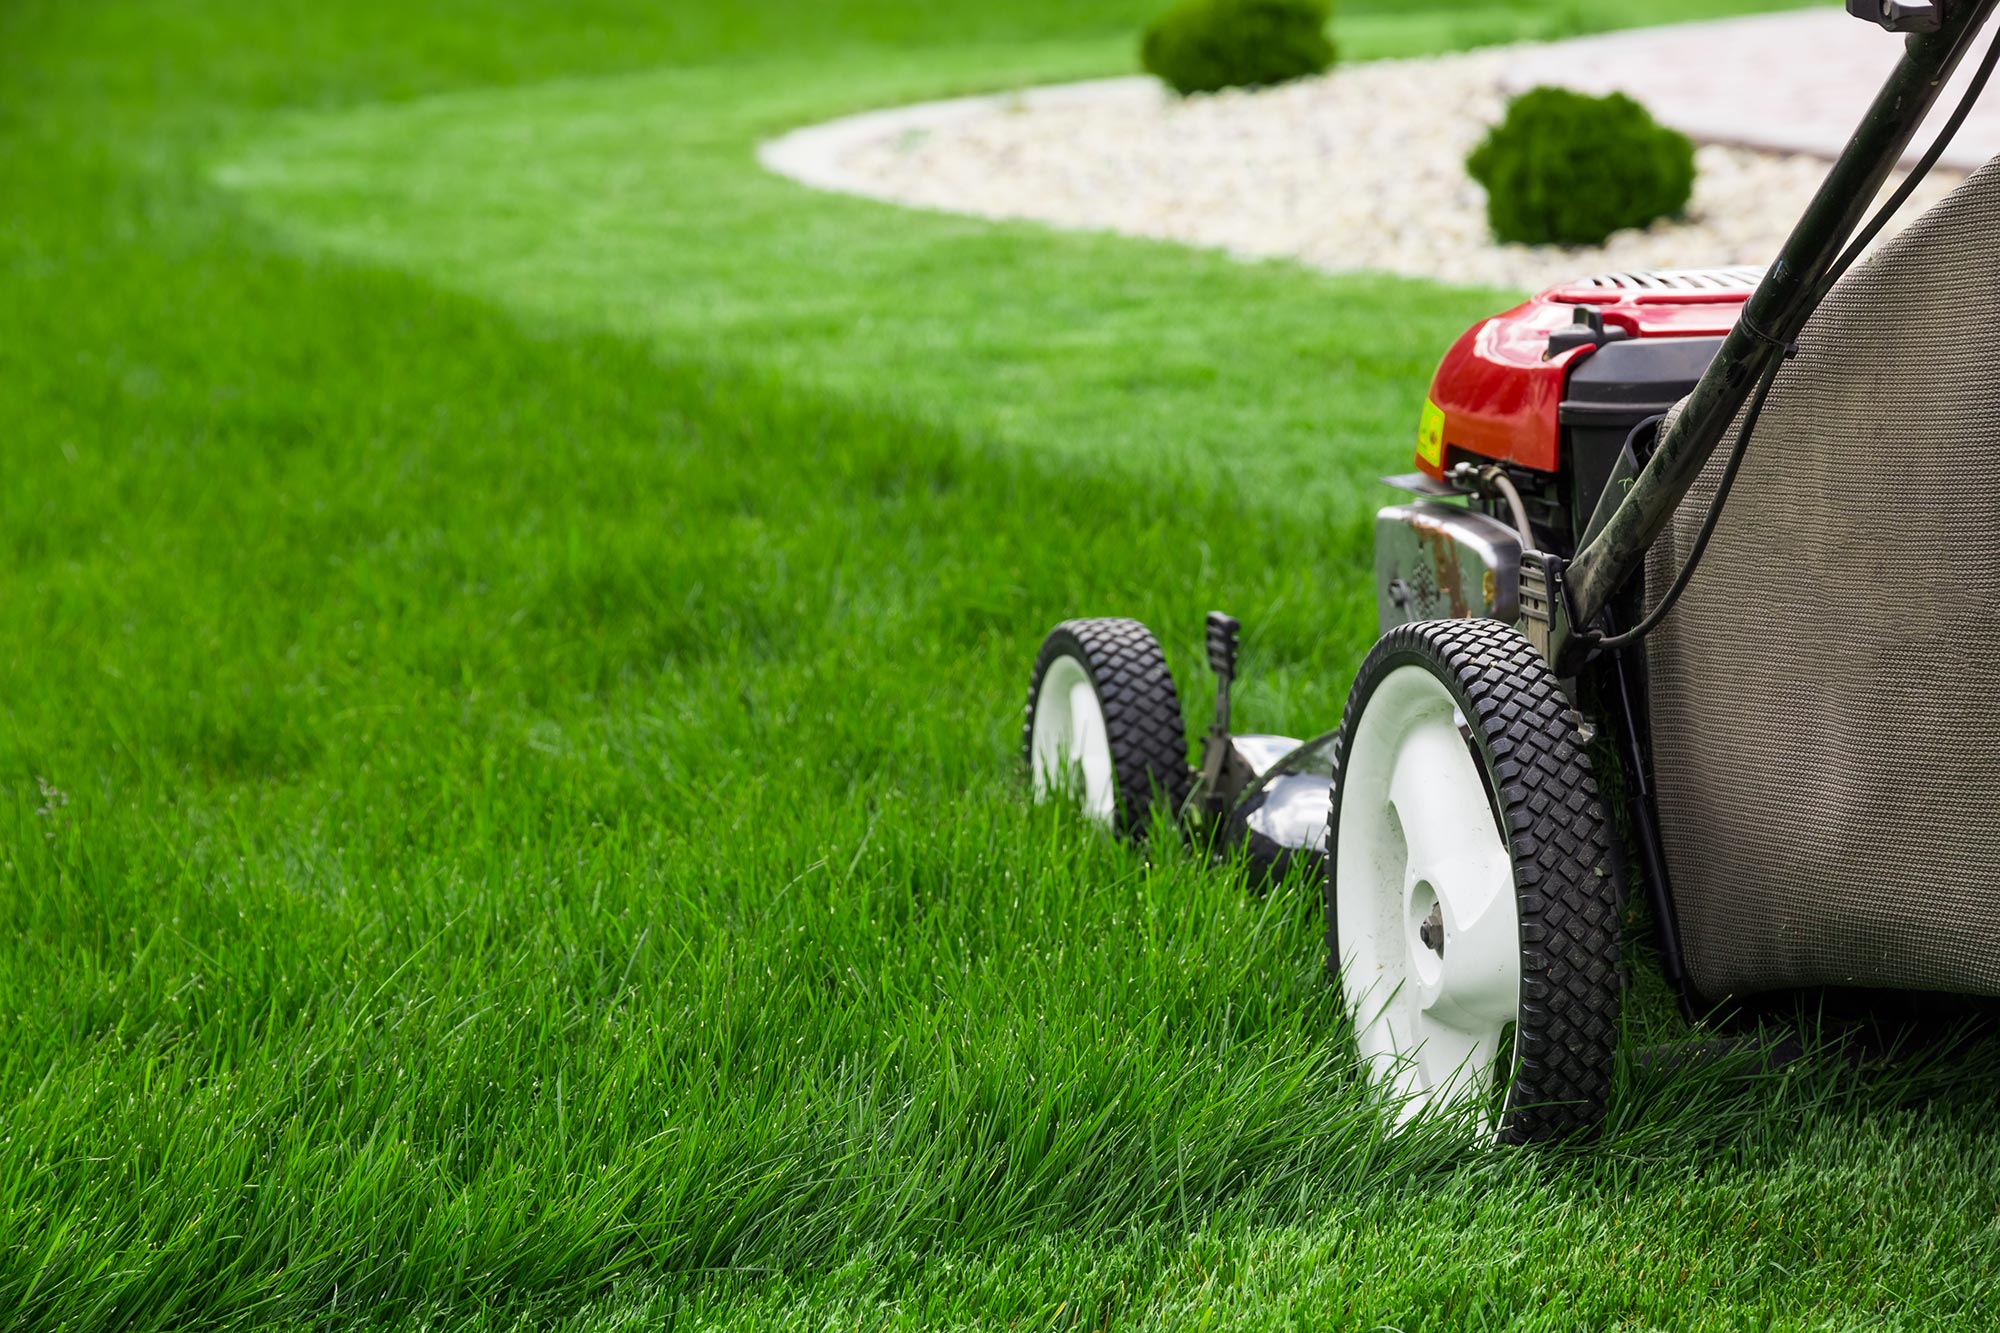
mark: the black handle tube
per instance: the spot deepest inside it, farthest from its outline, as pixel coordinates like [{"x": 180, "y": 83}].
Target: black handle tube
[{"x": 1774, "y": 313}]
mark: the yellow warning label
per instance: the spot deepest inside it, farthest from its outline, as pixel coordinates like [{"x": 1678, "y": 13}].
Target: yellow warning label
[{"x": 1430, "y": 435}]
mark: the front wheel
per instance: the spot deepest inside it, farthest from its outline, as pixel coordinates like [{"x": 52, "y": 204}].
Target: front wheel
[
  {"x": 1471, "y": 906},
  {"x": 1104, "y": 724}
]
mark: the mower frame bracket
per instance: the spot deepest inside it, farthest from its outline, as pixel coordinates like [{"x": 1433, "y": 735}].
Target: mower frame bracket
[{"x": 1900, "y": 15}]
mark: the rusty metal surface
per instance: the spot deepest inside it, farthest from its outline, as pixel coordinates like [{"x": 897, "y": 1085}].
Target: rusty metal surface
[{"x": 1437, "y": 561}]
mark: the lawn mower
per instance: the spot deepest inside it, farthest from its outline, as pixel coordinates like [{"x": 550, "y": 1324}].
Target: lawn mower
[{"x": 1806, "y": 736}]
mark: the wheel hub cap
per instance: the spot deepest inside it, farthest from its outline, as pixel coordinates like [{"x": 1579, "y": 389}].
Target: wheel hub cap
[
  {"x": 1425, "y": 910},
  {"x": 1071, "y": 750}
]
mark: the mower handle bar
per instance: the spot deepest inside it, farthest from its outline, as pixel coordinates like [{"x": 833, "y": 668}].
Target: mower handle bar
[{"x": 1771, "y": 318}]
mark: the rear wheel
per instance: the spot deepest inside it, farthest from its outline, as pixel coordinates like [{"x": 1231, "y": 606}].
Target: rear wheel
[
  {"x": 1104, "y": 724},
  {"x": 1472, "y": 909}
]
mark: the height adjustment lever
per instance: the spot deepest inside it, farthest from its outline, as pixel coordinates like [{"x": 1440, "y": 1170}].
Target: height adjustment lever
[
  {"x": 1900, "y": 15},
  {"x": 1223, "y": 631}
]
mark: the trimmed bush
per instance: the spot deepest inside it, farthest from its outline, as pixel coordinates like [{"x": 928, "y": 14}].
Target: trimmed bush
[
  {"x": 1564, "y": 168},
  {"x": 1202, "y": 45}
]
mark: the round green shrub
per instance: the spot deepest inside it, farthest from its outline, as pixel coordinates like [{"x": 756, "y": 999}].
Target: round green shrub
[
  {"x": 1202, "y": 45},
  {"x": 1564, "y": 168}
]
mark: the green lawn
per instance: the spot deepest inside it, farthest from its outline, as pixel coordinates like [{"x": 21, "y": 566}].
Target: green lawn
[{"x": 514, "y": 631}]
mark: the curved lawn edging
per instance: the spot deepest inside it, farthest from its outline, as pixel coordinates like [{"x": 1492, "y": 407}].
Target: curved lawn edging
[{"x": 1363, "y": 168}]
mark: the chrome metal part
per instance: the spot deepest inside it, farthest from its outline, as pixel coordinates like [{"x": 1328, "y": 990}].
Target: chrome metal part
[
  {"x": 1437, "y": 561},
  {"x": 1422, "y": 483},
  {"x": 1260, "y": 754},
  {"x": 1283, "y": 814}
]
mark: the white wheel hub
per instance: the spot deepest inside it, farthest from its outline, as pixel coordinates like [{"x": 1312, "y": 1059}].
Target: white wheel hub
[
  {"x": 1070, "y": 750},
  {"x": 1424, "y": 907}
]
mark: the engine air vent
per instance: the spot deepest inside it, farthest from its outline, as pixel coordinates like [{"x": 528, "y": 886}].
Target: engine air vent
[{"x": 1741, "y": 278}]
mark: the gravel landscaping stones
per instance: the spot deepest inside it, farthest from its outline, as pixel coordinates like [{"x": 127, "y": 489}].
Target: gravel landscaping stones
[{"x": 1360, "y": 169}]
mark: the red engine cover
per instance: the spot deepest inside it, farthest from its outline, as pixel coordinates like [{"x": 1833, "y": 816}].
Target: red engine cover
[{"x": 1496, "y": 392}]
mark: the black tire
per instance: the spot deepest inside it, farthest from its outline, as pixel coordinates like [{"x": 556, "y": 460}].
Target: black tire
[
  {"x": 1524, "y": 735},
  {"x": 1142, "y": 714}
]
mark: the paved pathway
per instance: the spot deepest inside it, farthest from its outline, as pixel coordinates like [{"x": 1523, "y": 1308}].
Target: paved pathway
[{"x": 1794, "y": 82}]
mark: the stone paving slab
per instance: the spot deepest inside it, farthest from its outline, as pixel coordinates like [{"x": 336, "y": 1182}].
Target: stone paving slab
[{"x": 1794, "y": 82}]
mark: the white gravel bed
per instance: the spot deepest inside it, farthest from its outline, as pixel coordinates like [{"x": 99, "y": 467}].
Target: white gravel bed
[{"x": 1362, "y": 169}]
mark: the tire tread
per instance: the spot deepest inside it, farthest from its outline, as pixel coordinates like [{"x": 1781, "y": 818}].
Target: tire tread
[
  {"x": 1142, "y": 713},
  {"x": 1565, "y": 870}
]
